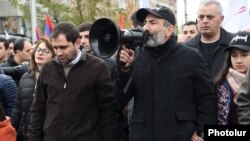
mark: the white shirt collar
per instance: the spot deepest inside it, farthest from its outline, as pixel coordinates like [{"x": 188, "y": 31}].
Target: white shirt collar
[{"x": 73, "y": 62}]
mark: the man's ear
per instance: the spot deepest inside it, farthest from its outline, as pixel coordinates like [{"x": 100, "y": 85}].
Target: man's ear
[
  {"x": 17, "y": 52},
  {"x": 78, "y": 43},
  {"x": 222, "y": 19},
  {"x": 170, "y": 30}
]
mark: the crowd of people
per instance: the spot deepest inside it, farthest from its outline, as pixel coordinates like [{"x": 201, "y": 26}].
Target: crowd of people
[{"x": 165, "y": 90}]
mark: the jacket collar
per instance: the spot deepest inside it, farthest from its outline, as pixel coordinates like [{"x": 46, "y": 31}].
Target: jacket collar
[
  {"x": 164, "y": 49},
  {"x": 224, "y": 38},
  {"x": 12, "y": 61}
]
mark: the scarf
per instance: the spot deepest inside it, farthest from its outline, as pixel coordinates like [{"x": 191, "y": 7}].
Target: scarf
[
  {"x": 235, "y": 79},
  {"x": 228, "y": 91}
]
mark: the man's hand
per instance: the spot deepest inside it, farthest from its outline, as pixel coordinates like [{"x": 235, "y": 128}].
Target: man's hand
[
  {"x": 126, "y": 57},
  {"x": 195, "y": 137}
]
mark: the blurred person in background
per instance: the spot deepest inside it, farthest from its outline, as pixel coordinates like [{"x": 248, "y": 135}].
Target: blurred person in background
[
  {"x": 21, "y": 55},
  {"x": 189, "y": 30},
  {"x": 84, "y": 29},
  {"x": 11, "y": 42},
  {"x": 212, "y": 39},
  {"x": 3, "y": 50},
  {"x": 84, "y": 32},
  {"x": 8, "y": 92},
  {"x": 16, "y": 72},
  {"x": 43, "y": 52}
]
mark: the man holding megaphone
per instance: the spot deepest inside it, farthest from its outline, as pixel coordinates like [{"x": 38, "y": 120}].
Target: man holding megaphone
[{"x": 170, "y": 82}]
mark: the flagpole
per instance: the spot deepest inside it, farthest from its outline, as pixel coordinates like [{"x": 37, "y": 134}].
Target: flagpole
[{"x": 33, "y": 19}]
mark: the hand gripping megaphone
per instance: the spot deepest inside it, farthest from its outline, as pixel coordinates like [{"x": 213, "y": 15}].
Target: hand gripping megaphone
[{"x": 105, "y": 37}]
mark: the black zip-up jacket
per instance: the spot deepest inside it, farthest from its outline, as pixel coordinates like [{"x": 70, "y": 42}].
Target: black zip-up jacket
[
  {"x": 20, "y": 116},
  {"x": 80, "y": 107},
  {"x": 173, "y": 93}
]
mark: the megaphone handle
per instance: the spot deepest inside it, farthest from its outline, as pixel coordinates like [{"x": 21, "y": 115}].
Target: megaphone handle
[
  {"x": 122, "y": 65},
  {"x": 118, "y": 62}
]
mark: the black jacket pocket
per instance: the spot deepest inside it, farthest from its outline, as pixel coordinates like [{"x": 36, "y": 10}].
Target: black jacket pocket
[{"x": 186, "y": 116}]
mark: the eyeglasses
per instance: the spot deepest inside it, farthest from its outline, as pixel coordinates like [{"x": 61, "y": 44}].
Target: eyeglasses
[{"x": 43, "y": 51}]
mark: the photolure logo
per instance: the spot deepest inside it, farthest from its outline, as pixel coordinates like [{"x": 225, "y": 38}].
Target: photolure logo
[
  {"x": 223, "y": 132},
  {"x": 240, "y": 37}
]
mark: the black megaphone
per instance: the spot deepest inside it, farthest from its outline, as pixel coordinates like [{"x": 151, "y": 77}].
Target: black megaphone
[{"x": 105, "y": 37}]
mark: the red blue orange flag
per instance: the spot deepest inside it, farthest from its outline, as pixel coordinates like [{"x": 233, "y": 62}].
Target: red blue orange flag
[
  {"x": 48, "y": 26},
  {"x": 121, "y": 20},
  {"x": 37, "y": 34}
]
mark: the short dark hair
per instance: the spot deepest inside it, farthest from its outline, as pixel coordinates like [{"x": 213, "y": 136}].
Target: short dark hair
[
  {"x": 86, "y": 26},
  {"x": 11, "y": 40},
  {"x": 19, "y": 44},
  {"x": 69, "y": 30},
  {"x": 189, "y": 23},
  {"x": 135, "y": 21},
  {"x": 5, "y": 42}
]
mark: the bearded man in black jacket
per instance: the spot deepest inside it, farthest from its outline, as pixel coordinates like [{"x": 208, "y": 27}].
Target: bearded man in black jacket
[{"x": 170, "y": 82}]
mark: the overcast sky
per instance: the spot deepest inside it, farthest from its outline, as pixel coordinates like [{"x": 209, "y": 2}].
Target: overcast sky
[{"x": 192, "y": 7}]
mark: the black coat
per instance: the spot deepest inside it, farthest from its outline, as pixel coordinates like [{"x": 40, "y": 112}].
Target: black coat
[
  {"x": 111, "y": 63},
  {"x": 219, "y": 55},
  {"x": 16, "y": 72},
  {"x": 10, "y": 62},
  {"x": 173, "y": 94},
  {"x": 21, "y": 112}
]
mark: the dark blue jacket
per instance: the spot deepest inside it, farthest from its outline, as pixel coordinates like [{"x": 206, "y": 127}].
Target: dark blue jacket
[{"x": 8, "y": 92}]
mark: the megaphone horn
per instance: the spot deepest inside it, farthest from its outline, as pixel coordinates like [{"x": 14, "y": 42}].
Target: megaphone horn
[{"x": 105, "y": 37}]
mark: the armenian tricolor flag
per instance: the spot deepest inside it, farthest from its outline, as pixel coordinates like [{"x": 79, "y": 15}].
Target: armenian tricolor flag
[{"x": 48, "y": 26}]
